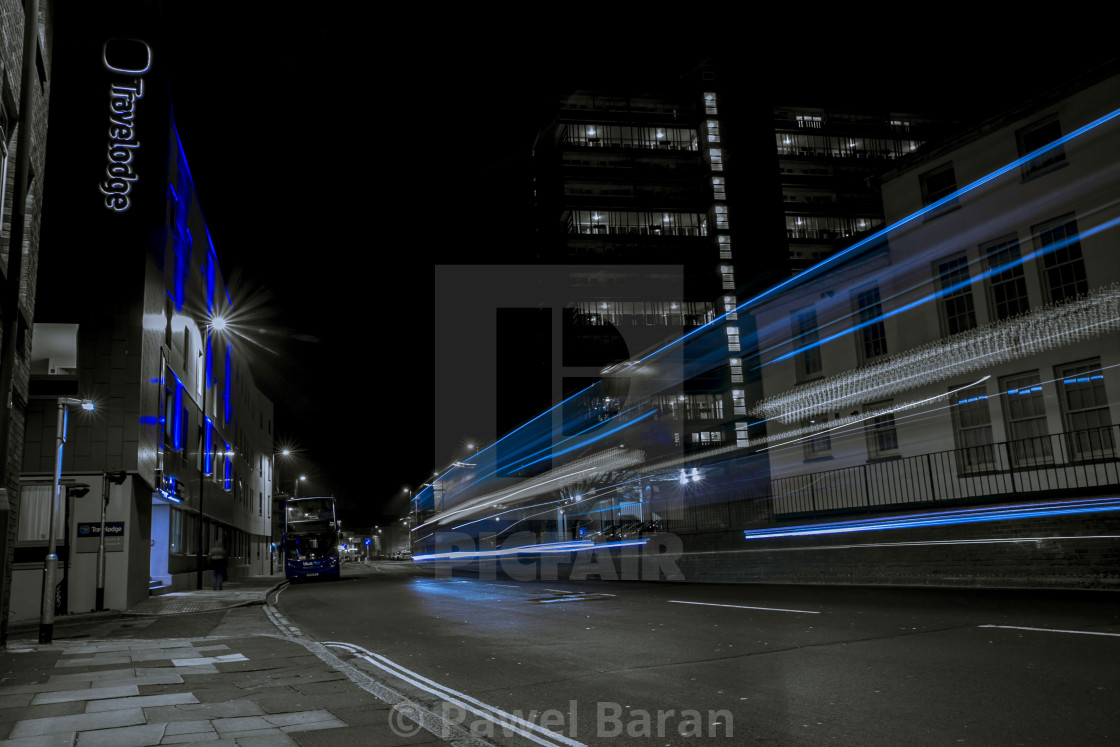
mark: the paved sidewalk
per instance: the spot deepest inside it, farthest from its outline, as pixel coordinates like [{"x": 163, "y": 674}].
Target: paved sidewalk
[
  {"x": 235, "y": 593},
  {"x": 244, "y": 683}
]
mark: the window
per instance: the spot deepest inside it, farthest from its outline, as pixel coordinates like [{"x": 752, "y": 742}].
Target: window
[
  {"x": 736, "y": 365},
  {"x": 176, "y": 532},
  {"x": 972, "y": 422},
  {"x": 1085, "y": 408},
  {"x": 724, "y": 247},
  {"x": 1035, "y": 136},
  {"x": 1025, "y": 410},
  {"x": 955, "y": 291},
  {"x": 938, "y": 184},
  {"x": 721, "y": 217},
  {"x": 1062, "y": 264},
  {"x": 34, "y": 514},
  {"x": 1007, "y": 287},
  {"x": 716, "y": 156},
  {"x": 733, "y": 339},
  {"x": 882, "y": 438},
  {"x": 871, "y": 334},
  {"x": 168, "y": 407},
  {"x": 713, "y": 131},
  {"x": 729, "y": 308},
  {"x": 818, "y": 446},
  {"x": 640, "y": 223},
  {"x": 805, "y": 340},
  {"x": 742, "y": 435},
  {"x": 727, "y": 277}
]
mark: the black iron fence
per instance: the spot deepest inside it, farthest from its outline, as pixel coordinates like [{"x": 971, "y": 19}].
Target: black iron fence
[
  {"x": 1079, "y": 462},
  {"x": 1039, "y": 465}
]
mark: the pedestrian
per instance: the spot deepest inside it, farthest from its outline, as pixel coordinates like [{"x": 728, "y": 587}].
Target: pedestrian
[{"x": 218, "y": 564}]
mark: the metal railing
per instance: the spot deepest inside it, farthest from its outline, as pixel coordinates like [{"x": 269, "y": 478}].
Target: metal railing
[
  {"x": 1079, "y": 462},
  {"x": 1051, "y": 464}
]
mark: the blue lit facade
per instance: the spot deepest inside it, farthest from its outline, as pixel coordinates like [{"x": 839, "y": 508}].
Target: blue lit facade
[{"x": 177, "y": 407}]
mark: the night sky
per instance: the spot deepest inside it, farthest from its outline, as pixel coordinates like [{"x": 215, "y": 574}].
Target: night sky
[{"x": 341, "y": 153}]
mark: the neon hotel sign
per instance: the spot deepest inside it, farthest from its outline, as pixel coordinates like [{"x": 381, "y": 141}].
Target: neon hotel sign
[{"x": 124, "y": 92}]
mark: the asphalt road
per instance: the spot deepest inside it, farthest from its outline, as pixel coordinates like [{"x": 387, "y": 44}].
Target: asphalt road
[{"x": 547, "y": 662}]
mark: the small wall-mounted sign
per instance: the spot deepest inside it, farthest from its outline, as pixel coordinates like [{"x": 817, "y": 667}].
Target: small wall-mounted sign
[{"x": 89, "y": 536}]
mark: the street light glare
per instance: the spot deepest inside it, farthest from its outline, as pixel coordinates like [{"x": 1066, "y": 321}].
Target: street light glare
[
  {"x": 218, "y": 324},
  {"x": 87, "y": 405}
]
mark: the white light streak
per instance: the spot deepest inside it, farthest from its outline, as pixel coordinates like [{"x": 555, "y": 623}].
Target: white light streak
[
  {"x": 744, "y": 607},
  {"x": 1040, "y": 330}
]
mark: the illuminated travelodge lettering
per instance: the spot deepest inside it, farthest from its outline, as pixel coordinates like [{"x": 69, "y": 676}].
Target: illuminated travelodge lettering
[{"x": 123, "y": 95}]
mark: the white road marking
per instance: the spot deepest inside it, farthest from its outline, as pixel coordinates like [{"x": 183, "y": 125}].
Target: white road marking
[
  {"x": 744, "y": 607},
  {"x": 1051, "y": 630},
  {"x": 498, "y": 717}
]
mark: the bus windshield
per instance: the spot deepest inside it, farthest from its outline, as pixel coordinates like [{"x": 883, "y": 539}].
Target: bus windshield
[{"x": 311, "y": 537}]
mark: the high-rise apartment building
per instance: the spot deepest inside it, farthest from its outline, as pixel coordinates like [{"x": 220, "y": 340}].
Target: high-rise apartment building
[
  {"x": 828, "y": 159},
  {"x": 632, "y": 194}
]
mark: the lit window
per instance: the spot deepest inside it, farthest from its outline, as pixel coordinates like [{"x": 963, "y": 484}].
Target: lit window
[
  {"x": 742, "y": 435},
  {"x": 716, "y": 156},
  {"x": 713, "y": 131},
  {"x": 721, "y": 217},
  {"x": 719, "y": 192},
  {"x": 729, "y": 308},
  {"x": 727, "y": 273},
  {"x": 724, "y": 247},
  {"x": 710, "y": 106},
  {"x": 736, "y": 365},
  {"x": 733, "y": 339}
]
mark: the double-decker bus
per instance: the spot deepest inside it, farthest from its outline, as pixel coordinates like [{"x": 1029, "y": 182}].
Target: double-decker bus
[{"x": 311, "y": 538}]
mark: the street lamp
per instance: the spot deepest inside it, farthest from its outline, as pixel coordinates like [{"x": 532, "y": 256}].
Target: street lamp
[
  {"x": 217, "y": 324},
  {"x": 50, "y": 564},
  {"x": 302, "y": 478}
]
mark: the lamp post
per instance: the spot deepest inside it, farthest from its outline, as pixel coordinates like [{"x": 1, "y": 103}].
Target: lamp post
[
  {"x": 295, "y": 491},
  {"x": 50, "y": 564},
  {"x": 274, "y": 536},
  {"x": 216, "y": 324}
]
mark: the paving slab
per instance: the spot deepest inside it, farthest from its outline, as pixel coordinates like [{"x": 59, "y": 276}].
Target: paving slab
[
  {"x": 125, "y": 684},
  {"x": 77, "y": 722}
]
